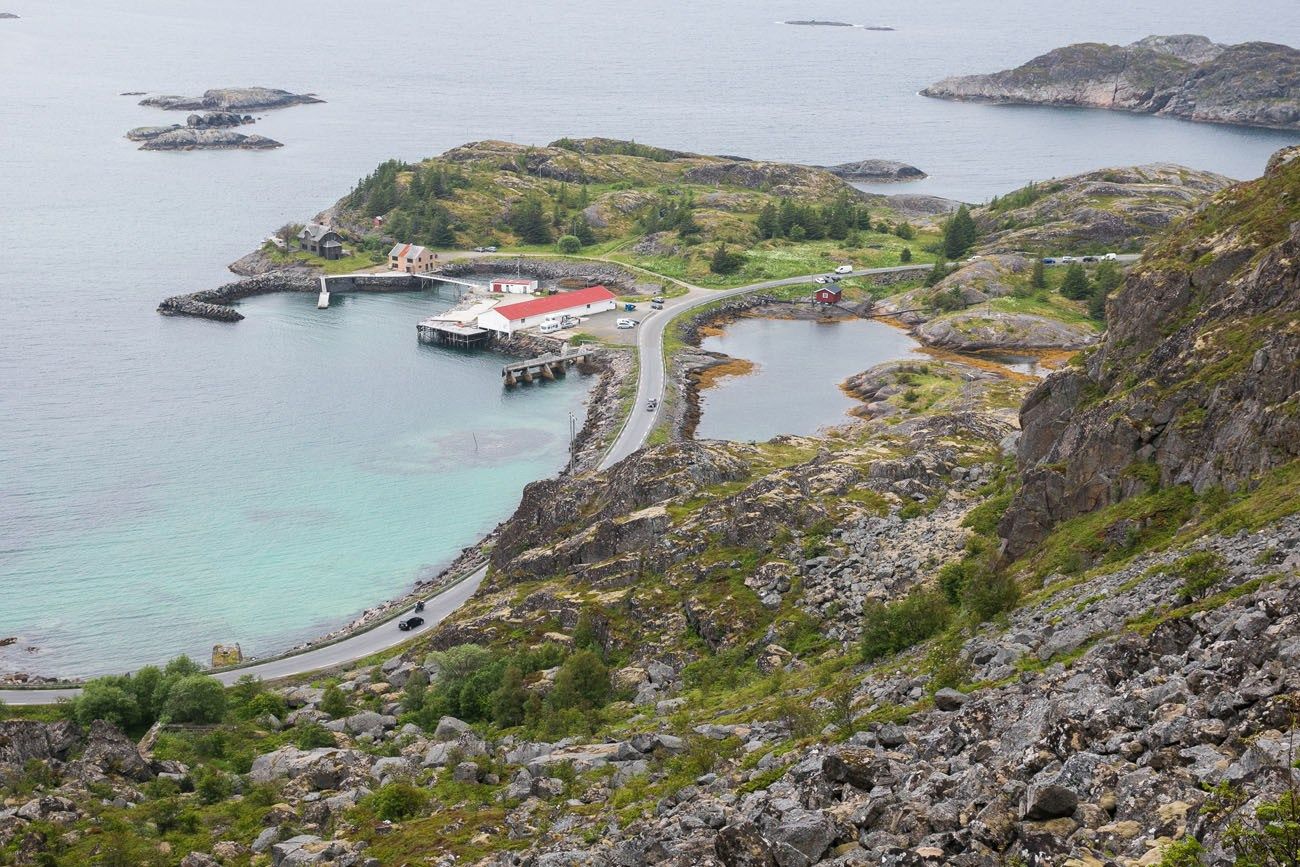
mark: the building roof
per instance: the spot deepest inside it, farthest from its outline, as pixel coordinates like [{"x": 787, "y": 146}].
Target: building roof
[
  {"x": 555, "y": 303},
  {"x": 402, "y": 251},
  {"x": 331, "y": 244},
  {"x": 518, "y": 281},
  {"x": 314, "y": 231}
]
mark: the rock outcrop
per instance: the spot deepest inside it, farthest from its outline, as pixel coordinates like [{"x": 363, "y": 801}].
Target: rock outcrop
[
  {"x": 193, "y": 139},
  {"x": 875, "y": 170},
  {"x": 1188, "y": 77},
  {"x": 236, "y": 99},
  {"x": 1197, "y": 381},
  {"x": 1116, "y": 209}
]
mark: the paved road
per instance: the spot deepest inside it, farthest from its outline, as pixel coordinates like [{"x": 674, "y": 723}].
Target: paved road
[
  {"x": 355, "y": 647},
  {"x": 650, "y": 384},
  {"x": 650, "y": 344}
]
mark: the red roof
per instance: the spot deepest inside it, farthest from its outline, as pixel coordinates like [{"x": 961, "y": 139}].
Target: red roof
[{"x": 552, "y": 303}]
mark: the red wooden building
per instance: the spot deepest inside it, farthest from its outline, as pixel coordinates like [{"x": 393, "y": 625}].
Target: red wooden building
[{"x": 827, "y": 294}]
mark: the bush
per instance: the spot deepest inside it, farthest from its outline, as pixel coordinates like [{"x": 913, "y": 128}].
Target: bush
[
  {"x": 415, "y": 690},
  {"x": 195, "y": 698},
  {"x": 905, "y": 255},
  {"x": 568, "y": 244},
  {"x": 310, "y": 736},
  {"x": 109, "y": 699},
  {"x": 211, "y": 785},
  {"x": 396, "y": 801},
  {"x": 1200, "y": 571},
  {"x": 264, "y": 704},
  {"x": 889, "y": 628},
  {"x": 334, "y": 702},
  {"x": 988, "y": 592},
  {"x": 582, "y": 681},
  {"x": 725, "y": 262}
]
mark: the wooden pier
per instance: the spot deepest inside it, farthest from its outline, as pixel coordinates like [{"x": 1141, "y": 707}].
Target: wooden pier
[{"x": 547, "y": 366}]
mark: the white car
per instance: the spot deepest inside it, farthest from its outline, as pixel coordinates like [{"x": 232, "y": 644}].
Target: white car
[
  {"x": 821, "y": 278},
  {"x": 626, "y": 323},
  {"x": 844, "y": 269},
  {"x": 1068, "y": 259},
  {"x": 1110, "y": 257}
]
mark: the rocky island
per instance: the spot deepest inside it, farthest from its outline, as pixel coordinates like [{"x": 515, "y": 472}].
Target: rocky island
[
  {"x": 1183, "y": 76},
  {"x": 238, "y": 99},
  {"x": 875, "y": 170}
]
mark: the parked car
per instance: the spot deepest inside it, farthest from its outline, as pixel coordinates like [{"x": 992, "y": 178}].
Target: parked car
[
  {"x": 489, "y": 249},
  {"x": 844, "y": 269},
  {"x": 1068, "y": 259},
  {"x": 658, "y": 299},
  {"x": 1110, "y": 257},
  {"x": 1090, "y": 258},
  {"x": 656, "y": 305},
  {"x": 834, "y": 278},
  {"x": 626, "y": 323},
  {"x": 1049, "y": 261},
  {"x": 410, "y": 623},
  {"x": 480, "y": 249},
  {"x": 821, "y": 278}
]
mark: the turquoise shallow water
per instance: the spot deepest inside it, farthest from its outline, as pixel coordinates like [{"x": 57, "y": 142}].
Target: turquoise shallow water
[{"x": 318, "y": 462}]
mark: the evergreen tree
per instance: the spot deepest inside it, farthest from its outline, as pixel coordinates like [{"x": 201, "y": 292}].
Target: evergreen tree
[
  {"x": 937, "y": 273},
  {"x": 581, "y": 229},
  {"x": 724, "y": 261},
  {"x": 1076, "y": 286},
  {"x": 1039, "y": 277},
  {"x": 510, "y": 699},
  {"x": 905, "y": 256},
  {"x": 959, "y": 233},
  {"x": 769, "y": 222},
  {"x": 440, "y": 232},
  {"x": 905, "y": 231},
  {"x": 528, "y": 220}
]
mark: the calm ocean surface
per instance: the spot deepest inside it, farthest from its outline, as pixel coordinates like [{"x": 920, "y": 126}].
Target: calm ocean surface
[{"x": 168, "y": 483}]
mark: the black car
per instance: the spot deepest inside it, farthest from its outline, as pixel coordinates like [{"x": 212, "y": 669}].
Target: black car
[{"x": 410, "y": 623}]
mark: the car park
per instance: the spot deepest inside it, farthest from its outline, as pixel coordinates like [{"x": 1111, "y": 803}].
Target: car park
[{"x": 410, "y": 623}]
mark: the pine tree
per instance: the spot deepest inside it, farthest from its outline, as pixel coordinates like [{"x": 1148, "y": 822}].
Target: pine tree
[
  {"x": 768, "y": 223},
  {"x": 1039, "y": 277},
  {"x": 1076, "y": 286},
  {"x": 905, "y": 256},
  {"x": 510, "y": 699},
  {"x": 937, "y": 273},
  {"x": 529, "y": 221},
  {"x": 959, "y": 233}
]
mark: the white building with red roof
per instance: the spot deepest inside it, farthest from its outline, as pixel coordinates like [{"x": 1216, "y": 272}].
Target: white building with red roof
[
  {"x": 514, "y": 285},
  {"x": 508, "y": 318}
]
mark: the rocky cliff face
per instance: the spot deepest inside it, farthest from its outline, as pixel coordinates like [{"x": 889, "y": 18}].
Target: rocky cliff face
[
  {"x": 1197, "y": 381},
  {"x": 1254, "y": 84}
]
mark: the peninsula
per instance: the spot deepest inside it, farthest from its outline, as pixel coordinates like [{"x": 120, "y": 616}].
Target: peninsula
[{"x": 1182, "y": 76}]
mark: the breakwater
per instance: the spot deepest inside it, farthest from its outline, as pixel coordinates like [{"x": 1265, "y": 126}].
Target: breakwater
[{"x": 215, "y": 304}]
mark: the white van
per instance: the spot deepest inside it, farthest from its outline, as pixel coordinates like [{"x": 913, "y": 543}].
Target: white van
[
  {"x": 549, "y": 325},
  {"x": 844, "y": 269}
]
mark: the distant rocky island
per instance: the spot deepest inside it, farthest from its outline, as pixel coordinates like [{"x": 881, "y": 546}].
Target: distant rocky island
[
  {"x": 875, "y": 170},
  {"x": 1183, "y": 76},
  {"x": 233, "y": 99},
  {"x": 815, "y": 23},
  {"x": 222, "y": 108}
]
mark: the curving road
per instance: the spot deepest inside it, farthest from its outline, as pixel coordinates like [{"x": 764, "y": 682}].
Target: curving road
[{"x": 386, "y": 635}]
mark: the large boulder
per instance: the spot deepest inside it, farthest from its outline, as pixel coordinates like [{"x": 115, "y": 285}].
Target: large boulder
[
  {"x": 113, "y": 753},
  {"x": 22, "y": 741}
]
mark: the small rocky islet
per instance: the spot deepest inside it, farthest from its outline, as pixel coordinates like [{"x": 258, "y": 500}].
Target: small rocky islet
[
  {"x": 221, "y": 108},
  {"x": 1184, "y": 76}
]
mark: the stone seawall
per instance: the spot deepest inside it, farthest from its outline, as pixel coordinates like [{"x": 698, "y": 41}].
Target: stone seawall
[{"x": 215, "y": 303}]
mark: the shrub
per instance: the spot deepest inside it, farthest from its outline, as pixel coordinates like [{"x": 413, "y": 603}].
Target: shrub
[
  {"x": 211, "y": 785},
  {"x": 109, "y": 699},
  {"x": 195, "y": 698},
  {"x": 989, "y": 592},
  {"x": 568, "y": 244},
  {"x": 510, "y": 699},
  {"x": 310, "y": 736},
  {"x": 1200, "y": 571},
  {"x": 724, "y": 261},
  {"x": 889, "y": 628},
  {"x": 334, "y": 702},
  {"x": 413, "y": 693},
  {"x": 264, "y": 704},
  {"x": 396, "y": 801},
  {"x": 905, "y": 255},
  {"x": 582, "y": 681}
]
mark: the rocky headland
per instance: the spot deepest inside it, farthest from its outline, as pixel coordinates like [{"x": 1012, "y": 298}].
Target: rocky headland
[
  {"x": 232, "y": 99},
  {"x": 1184, "y": 76}
]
